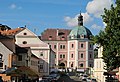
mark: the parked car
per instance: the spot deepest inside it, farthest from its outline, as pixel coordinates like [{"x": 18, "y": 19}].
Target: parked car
[
  {"x": 48, "y": 78},
  {"x": 55, "y": 77},
  {"x": 91, "y": 80},
  {"x": 44, "y": 80}
]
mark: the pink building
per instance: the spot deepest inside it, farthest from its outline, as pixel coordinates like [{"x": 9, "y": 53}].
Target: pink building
[{"x": 73, "y": 47}]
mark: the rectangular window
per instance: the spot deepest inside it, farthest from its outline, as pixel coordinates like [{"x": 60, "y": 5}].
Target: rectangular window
[
  {"x": 61, "y": 56},
  {"x": 90, "y": 65},
  {"x": 19, "y": 57},
  {"x": 81, "y": 45},
  {"x": 41, "y": 66},
  {"x": 90, "y": 45},
  {"x": 90, "y": 55},
  {"x": 41, "y": 54},
  {"x": 1, "y": 64},
  {"x": 60, "y": 46},
  {"x": 54, "y": 46},
  {"x": 55, "y": 56},
  {"x": 72, "y": 45},
  {"x": 81, "y": 55},
  {"x": 71, "y": 55},
  {"x": 63, "y": 46}
]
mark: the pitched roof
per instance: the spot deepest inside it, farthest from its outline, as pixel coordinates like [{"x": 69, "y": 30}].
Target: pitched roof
[
  {"x": 11, "y": 32},
  {"x": 34, "y": 56},
  {"x": 4, "y": 27},
  {"x": 55, "y": 34}
]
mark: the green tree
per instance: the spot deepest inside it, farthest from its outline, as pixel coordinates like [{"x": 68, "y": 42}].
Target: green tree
[{"x": 110, "y": 37}]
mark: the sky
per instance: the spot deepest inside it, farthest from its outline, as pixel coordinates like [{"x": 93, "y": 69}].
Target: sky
[{"x": 38, "y": 15}]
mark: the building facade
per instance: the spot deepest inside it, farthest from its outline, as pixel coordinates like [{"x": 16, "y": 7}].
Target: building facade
[
  {"x": 99, "y": 66},
  {"x": 73, "y": 48},
  {"x": 26, "y": 38}
]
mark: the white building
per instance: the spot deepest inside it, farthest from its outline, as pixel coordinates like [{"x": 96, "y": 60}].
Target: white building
[
  {"x": 26, "y": 38},
  {"x": 99, "y": 66}
]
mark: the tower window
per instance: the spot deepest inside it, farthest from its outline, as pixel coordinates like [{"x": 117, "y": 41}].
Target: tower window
[
  {"x": 72, "y": 45},
  {"x": 71, "y": 55},
  {"x": 81, "y": 45},
  {"x": 81, "y": 55}
]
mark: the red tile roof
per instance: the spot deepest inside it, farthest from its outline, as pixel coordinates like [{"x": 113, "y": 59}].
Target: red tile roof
[
  {"x": 55, "y": 34},
  {"x": 11, "y": 32}
]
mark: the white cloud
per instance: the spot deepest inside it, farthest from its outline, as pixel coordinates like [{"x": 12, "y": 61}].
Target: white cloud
[
  {"x": 96, "y": 27},
  {"x": 14, "y": 6},
  {"x": 71, "y": 22},
  {"x": 96, "y": 7}
]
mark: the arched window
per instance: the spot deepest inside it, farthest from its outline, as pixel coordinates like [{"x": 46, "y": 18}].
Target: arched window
[
  {"x": 82, "y": 46},
  {"x": 72, "y": 65},
  {"x": 81, "y": 65}
]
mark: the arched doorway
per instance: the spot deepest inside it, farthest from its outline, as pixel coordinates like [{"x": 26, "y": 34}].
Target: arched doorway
[{"x": 61, "y": 65}]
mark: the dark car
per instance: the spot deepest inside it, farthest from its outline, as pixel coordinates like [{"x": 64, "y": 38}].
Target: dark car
[
  {"x": 48, "y": 78},
  {"x": 55, "y": 77}
]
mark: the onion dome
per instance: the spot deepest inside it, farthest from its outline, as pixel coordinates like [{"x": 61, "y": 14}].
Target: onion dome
[{"x": 80, "y": 31}]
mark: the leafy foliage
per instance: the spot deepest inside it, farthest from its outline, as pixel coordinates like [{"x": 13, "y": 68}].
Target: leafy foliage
[{"x": 110, "y": 37}]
